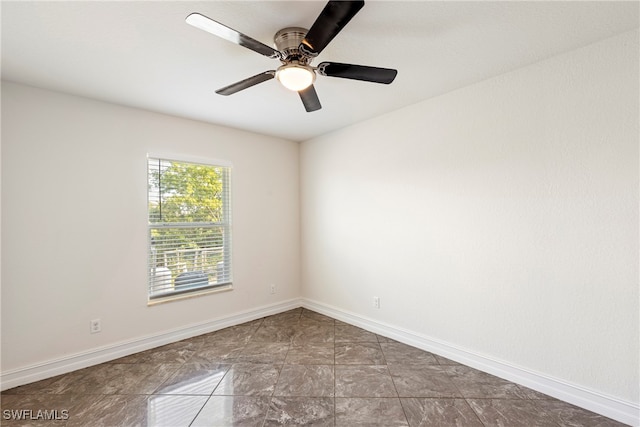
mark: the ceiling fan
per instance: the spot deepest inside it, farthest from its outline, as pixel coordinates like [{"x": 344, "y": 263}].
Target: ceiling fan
[{"x": 296, "y": 48}]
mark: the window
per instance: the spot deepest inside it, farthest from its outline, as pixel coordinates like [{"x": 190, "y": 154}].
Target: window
[{"x": 189, "y": 227}]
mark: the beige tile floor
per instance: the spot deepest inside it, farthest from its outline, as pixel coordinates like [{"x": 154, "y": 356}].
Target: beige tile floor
[{"x": 294, "y": 368}]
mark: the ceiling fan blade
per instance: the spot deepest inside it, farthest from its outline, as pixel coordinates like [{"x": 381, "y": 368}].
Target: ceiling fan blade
[
  {"x": 332, "y": 19},
  {"x": 357, "y": 72},
  {"x": 310, "y": 99},
  {"x": 246, "y": 83},
  {"x": 209, "y": 25}
]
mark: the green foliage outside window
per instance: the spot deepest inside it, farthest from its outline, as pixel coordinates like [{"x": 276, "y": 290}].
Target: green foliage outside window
[{"x": 188, "y": 209}]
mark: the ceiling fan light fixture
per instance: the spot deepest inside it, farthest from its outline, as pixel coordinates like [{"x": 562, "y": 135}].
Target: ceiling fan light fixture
[
  {"x": 296, "y": 48},
  {"x": 295, "y": 77}
]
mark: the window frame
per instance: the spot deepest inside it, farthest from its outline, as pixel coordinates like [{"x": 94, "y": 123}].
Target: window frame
[{"x": 226, "y": 225}]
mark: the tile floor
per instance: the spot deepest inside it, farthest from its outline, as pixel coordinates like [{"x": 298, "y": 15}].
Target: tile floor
[{"x": 294, "y": 368}]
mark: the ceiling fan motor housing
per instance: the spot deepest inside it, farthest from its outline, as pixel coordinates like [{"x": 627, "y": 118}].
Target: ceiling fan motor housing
[{"x": 288, "y": 40}]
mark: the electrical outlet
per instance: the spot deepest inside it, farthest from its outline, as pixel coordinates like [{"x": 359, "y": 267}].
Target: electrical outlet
[
  {"x": 95, "y": 326},
  {"x": 272, "y": 288},
  {"x": 376, "y": 302}
]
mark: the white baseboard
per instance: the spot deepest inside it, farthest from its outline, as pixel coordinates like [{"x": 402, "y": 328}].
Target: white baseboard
[
  {"x": 617, "y": 409},
  {"x": 51, "y": 368}
]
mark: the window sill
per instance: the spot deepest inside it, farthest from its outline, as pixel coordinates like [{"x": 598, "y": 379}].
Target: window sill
[{"x": 171, "y": 298}]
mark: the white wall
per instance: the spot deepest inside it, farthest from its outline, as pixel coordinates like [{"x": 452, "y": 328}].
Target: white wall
[
  {"x": 501, "y": 218},
  {"x": 74, "y": 223}
]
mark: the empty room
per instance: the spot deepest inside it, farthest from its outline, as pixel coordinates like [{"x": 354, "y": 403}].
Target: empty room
[{"x": 440, "y": 228}]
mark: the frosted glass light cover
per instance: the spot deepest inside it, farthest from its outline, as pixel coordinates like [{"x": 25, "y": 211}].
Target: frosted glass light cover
[{"x": 295, "y": 77}]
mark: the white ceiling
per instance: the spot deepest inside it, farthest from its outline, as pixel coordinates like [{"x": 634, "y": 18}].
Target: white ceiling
[{"x": 143, "y": 54}]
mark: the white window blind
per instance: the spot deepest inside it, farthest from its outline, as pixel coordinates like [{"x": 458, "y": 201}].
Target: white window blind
[{"x": 189, "y": 227}]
